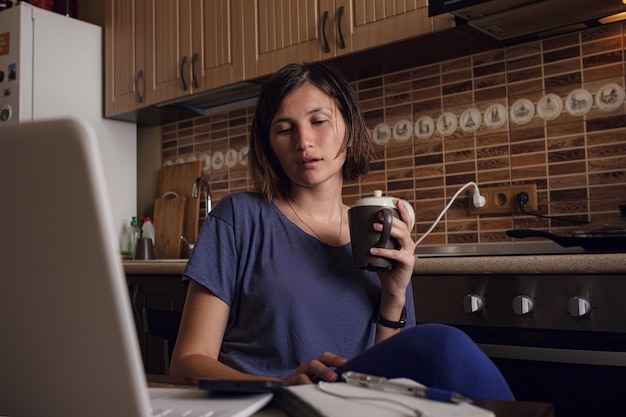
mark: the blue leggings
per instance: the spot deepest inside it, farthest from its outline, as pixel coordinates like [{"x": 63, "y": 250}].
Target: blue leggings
[{"x": 435, "y": 355}]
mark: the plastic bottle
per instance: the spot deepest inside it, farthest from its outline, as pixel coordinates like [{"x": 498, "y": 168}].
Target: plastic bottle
[
  {"x": 132, "y": 234},
  {"x": 147, "y": 230}
]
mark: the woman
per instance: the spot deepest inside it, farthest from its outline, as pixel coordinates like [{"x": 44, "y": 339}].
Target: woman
[{"x": 273, "y": 293}]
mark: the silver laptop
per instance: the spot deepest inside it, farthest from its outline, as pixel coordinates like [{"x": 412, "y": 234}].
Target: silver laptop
[{"x": 68, "y": 346}]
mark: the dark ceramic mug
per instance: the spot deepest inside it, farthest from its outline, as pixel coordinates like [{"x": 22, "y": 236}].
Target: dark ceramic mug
[{"x": 363, "y": 236}]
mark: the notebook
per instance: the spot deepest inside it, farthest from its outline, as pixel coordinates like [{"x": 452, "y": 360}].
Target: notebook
[
  {"x": 68, "y": 344},
  {"x": 344, "y": 400}
]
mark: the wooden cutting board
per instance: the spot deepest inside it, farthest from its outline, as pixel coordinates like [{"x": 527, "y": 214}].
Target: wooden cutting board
[
  {"x": 169, "y": 217},
  {"x": 180, "y": 178}
]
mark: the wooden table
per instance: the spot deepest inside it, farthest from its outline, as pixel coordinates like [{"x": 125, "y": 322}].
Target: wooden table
[{"x": 500, "y": 408}]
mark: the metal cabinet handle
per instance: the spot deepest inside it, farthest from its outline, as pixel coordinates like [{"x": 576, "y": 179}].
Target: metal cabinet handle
[
  {"x": 342, "y": 42},
  {"x": 326, "y": 47},
  {"x": 138, "y": 95},
  {"x": 194, "y": 80},
  {"x": 183, "y": 62}
]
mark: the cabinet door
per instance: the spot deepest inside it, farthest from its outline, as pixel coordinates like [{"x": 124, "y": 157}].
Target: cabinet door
[
  {"x": 217, "y": 43},
  {"x": 168, "y": 49},
  {"x": 157, "y": 292},
  {"x": 124, "y": 56},
  {"x": 278, "y": 32},
  {"x": 366, "y": 23}
]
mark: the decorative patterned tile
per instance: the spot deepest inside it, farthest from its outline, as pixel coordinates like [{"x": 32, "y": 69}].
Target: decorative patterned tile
[
  {"x": 576, "y": 161},
  {"x": 600, "y": 32},
  {"x": 488, "y": 57},
  {"x": 458, "y": 87},
  {"x": 560, "y": 42},
  {"x": 610, "y": 44},
  {"x": 561, "y": 54},
  {"x": 457, "y": 76},
  {"x": 603, "y": 59},
  {"x": 517, "y": 51},
  {"x": 604, "y": 72},
  {"x": 525, "y": 74},
  {"x": 575, "y": 179},
  {"x": 568, "y": 168},
  {"x": 425, "y": 83}
]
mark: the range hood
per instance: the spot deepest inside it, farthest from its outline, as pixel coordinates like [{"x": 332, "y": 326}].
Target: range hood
[
  {"x": 508, "y": 21},
  {"x": 227, "y": 98}
]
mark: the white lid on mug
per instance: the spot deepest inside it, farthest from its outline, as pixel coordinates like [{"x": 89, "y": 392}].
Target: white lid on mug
[{"x": 386, "y": 201}]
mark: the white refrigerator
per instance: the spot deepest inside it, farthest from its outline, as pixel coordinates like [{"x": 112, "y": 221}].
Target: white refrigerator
[{"x": 51, "y": 66}]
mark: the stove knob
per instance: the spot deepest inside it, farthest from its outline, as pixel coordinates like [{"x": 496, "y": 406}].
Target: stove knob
[
  {"x": 522, "y": 304},
  {"x": 472, "y": 303},
  {"x": 5, "y": 113},
  {"x": 579, "y": 307}
]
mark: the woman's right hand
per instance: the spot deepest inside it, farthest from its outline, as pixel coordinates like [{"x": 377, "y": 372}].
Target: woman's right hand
[{"x": 320, "y": 369}]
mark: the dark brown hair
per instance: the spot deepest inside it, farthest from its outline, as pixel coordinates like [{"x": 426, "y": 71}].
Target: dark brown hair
[{"x": 265, "y": 170}]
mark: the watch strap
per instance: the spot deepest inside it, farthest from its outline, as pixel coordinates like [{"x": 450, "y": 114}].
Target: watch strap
[{"x": 393, "y": 324}]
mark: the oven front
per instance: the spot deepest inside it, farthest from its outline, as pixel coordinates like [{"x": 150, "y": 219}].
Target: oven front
[{"x": 555, "y": 338}]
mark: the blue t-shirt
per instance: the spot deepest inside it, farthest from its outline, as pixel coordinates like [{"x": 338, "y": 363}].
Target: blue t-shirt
[{"x": 291, "y": 296}]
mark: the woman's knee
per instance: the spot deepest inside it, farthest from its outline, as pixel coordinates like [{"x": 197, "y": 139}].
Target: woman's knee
[
  {"x": 431, "y": 336},
  {"x": 437, "y": 355}
]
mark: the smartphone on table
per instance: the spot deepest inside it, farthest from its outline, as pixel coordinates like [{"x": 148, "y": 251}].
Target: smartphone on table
[{"x": 238, "y": 386}]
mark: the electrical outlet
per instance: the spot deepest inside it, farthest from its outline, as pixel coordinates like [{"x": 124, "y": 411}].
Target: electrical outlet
[{"x": 502, "y": 199}]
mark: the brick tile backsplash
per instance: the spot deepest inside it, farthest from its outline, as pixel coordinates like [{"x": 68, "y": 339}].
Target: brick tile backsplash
[{"x": 576, "y": 160}]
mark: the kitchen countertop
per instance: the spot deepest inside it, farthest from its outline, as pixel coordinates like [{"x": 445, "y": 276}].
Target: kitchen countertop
[
  {"x": 577, "y": 263},
  {"x": 533, "y": 257},
  {"x": 155, "y": 267}
]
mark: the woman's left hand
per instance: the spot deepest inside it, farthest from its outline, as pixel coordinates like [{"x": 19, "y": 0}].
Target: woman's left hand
[{"x": 320, "y": 369}]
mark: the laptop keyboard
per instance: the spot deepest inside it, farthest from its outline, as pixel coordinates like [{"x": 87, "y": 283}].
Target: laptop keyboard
[{"x": 170, "y": 412}]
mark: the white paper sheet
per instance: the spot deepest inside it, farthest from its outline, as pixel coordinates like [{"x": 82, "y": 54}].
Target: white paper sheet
[{"x": 341, "y": 399}]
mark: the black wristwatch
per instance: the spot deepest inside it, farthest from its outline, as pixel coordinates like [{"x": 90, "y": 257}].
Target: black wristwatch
[{"x": 393, "y": 324}]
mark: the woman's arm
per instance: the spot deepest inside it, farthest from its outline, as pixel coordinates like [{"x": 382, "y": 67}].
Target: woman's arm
[
  {"x": 394, "y": 283},
  {"x": 200, "y": 337}
]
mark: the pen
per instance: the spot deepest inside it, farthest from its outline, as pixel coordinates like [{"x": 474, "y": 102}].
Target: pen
[{"x": 383, "y": 384}]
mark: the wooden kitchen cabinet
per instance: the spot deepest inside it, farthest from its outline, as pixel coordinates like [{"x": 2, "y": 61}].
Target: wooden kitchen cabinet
[
  {"x": 160, "y": 50},
  {"x": 124, "y": 56},
  {"x": 282, "y": 31},
  {"x": 163, "y": 50},
  {"x": 367, "y": 24},
  {"x": 160, "y": 292},
  {"x": 217, "y": 36},
  {"x": 278, "y": 32},
  {"x": 192, "y": 46},
  {"x": 168, "y": 49}
]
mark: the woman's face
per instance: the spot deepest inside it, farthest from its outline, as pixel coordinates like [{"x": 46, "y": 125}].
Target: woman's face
[{"x": 306, "y": 135}]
